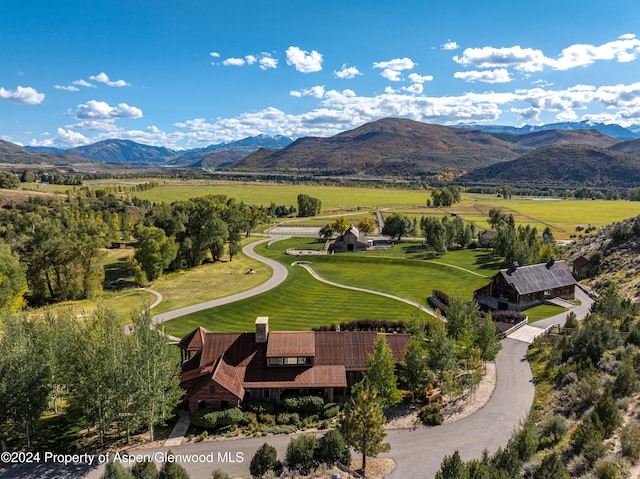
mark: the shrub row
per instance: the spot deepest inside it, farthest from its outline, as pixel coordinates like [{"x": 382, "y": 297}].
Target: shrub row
[
  {"x": 440, "y": 296},
  {"x": 366, "y": 325},
  {"x": 508, "y": 316}
]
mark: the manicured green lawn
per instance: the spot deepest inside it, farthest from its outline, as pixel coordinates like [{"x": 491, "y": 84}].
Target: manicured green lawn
[
  {"x": 302, "y": 302},
  {"x": 543, "y": 311}
]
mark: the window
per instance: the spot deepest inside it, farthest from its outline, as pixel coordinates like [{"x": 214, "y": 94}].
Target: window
[{"x": 212, "y": 389}]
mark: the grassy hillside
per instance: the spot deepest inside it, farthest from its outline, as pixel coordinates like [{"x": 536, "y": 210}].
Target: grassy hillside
[
  {"x": 576, "y": 165},
  {"x": 619, "y": 245},
  {"x": 389, "y": 146}
]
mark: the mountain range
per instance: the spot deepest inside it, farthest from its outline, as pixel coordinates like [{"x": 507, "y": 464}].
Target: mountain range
[{"x": 562, "y": 153}]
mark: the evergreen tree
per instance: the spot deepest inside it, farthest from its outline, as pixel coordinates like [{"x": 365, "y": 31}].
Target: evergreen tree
[
  {"x": 115, "y": 470},
  {"x": 362, "y": 423},
  {"x": 172, "y": 470},
  {"x": 301, "y": 453},
  {"x": 551, "y": 467},
  {"x": 452, "y": 467},
  {"x": 145, "y": 470},
  {"x": 333, "y": 448},
  {"x": 264, "y": 460}
]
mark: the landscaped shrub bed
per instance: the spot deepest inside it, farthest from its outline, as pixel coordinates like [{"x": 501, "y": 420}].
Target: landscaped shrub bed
[
  {"x": 441, "y": 296},
  {"x": 431, "y": 414},
  {"x": 210, "y": 419},
  {"x": 261, "y": 418},
  {"x": 508, "y": 316},
  {"x": 366, "y": 325}
]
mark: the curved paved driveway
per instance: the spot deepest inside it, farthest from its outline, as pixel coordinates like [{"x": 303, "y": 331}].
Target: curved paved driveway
[{"x": 280, "y": 273}]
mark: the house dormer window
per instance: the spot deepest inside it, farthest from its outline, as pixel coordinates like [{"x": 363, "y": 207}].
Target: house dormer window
[{"x": 291, "y": 361}]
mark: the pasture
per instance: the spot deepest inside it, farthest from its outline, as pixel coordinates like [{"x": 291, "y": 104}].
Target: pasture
[{"x": 562, "y": 216}]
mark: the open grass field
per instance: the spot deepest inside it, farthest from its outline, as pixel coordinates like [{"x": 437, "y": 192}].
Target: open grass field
[
  {"x": 302, "y": 302},
  {"x": 333, "y": 198},
  {"x": 207, "y": 282},
  {"x": 124, "y": 303},
  {"x": 562, "y": 216}
]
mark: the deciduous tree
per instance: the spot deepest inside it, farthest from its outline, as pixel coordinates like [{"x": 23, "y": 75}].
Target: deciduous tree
[{"x": 381, "y": 375}]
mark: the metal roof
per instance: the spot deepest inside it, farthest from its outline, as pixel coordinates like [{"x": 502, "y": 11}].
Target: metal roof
[{"x": 539, "y": 277}]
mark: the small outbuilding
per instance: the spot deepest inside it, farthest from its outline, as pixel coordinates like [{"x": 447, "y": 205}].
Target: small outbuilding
[
  {"x": 521, "y": 287},
  {"x": 583, "y": 267},
  {"x": 350, "y": 240}
]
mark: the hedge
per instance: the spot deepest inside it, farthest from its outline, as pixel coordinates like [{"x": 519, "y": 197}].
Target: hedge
[{"x": 304, "y": 404}]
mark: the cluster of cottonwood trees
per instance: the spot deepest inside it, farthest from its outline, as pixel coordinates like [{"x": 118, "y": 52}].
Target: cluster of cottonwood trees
[
  {"x": 589, "y": 376},
  {"x": 59, "y": 244},
  {"x": 114, "y": 380},
  {"x": 184, "y": 234},
  {"x": 522, "y": 244}
]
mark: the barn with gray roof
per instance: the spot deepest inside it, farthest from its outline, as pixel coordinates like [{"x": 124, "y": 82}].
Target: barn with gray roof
[{"x": 522, "y": 287}]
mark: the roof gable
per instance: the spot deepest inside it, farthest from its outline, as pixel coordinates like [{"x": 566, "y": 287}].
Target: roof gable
[{"x": 290, "y": 344}]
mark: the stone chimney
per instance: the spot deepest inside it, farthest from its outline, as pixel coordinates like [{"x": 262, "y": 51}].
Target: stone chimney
[
  {"x": 262, "y": 329},
  {"x": 551, "y": 261}
]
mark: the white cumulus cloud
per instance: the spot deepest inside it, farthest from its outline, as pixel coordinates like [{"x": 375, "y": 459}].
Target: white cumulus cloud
[
  {"x": 24, "y": 95},
  {"x": 234, "y": 62},
  {"x": 416, "y": 88},
  {"x": 391, "y": 75},
  {"x": 267, "y": 61},
  {"x": 397, "y": 64},
  {"x": 625, "y": 49},
  {"x": 450, "y": 45},
  {"x": 100, "y": 110},
  {"x": 346, "y": 73},
  {"x": 66, "y": 88},
  {"x": 499, "y": 75},
  {"x": 83, "y": 83},
  {"x": 525, "y": 59},
  {"x": 104, "y": 78},
  {"x": 315, "y": 92},
  {"x": 415, "y": 78},
  {"x": 304, "y": 61},
  {"x": 214, "y": 54}
]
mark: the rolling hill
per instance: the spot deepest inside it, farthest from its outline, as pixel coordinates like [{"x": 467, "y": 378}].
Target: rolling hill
[
  {"x": 566, "y": 165},
  {"x": 390, "y": 146},
  {"x": 13, "y": 154}
]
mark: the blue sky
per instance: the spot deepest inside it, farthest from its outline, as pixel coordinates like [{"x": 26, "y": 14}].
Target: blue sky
[{"x": 191, "y": 73}]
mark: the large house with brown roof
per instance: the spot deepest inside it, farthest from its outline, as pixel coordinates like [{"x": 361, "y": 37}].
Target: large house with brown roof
[
  {"x": 522, "y": 287},
  {"x": 221, "y": 369}
]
